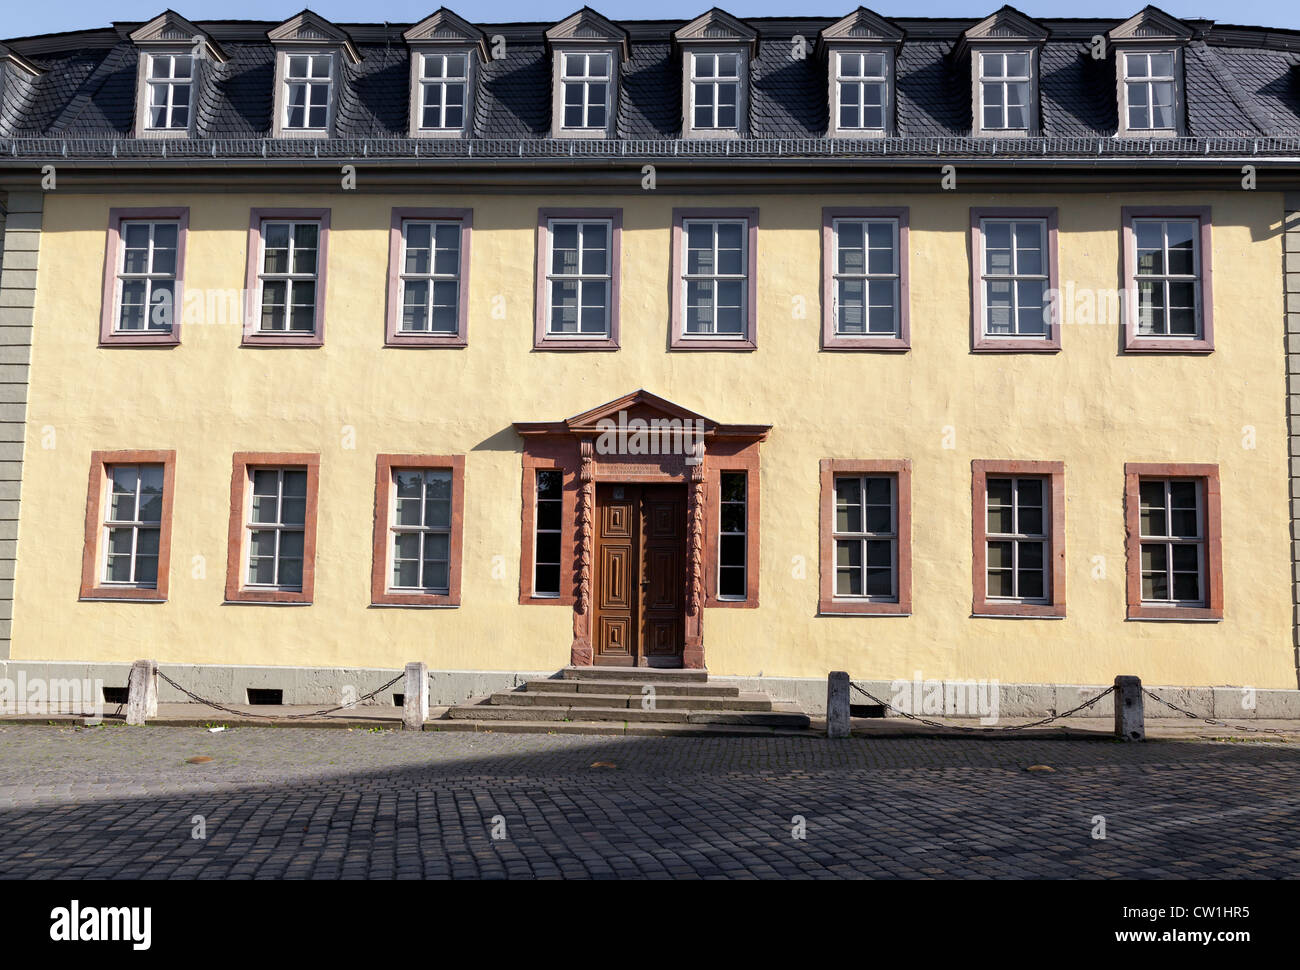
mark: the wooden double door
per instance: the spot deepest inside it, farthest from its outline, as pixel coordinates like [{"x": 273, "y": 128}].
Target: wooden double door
[{"x": 640, "y": 575}]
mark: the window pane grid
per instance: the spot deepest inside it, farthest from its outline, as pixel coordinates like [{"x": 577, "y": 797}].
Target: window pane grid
[
  {"x": 1167, "y": 274},
  {"x": 132, "y": 526},
  {"x": 309, "y": 80},
  {"x": 548, "y": 516},
  {"x": 430, "y": 277},
  {"x": 276, "y": 527},
  {"x": 584, "y": 89},
  {"x": 444, "y": 83},
  {"x": 1149, "y": 86},
  {"x": 715, "y": 278},
  {"x": 715, "y": 90},
  {"x": 146, "y": 274},
  {"x": 860, "y": 85},
  {"x": 1172, "y": 542},
  {"x": 579, "y": 278},
  {"x": 1005, "y": 91},
  {"x": 288, "y": 277},
  {"x": 732, "y": 536},
  {"x": 866, "y": 292},
  {"x": 1015, "y": 277},
  {"x": 169, "y": 84},
  {"x": 865, "y": 538},
  {"x": 1017, "y": 541},
  {"x": 420, "y": 545}
]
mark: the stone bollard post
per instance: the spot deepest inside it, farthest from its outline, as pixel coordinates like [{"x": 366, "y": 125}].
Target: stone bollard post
[
  {"x": 415, "y": 703},
  {"x": 837, "y": 704},
  {"x": 1130, "y": 723},
  {"x": 142, "y": 692}
]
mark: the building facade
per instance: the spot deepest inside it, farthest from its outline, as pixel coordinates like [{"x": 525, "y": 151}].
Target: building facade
[{"x": 771, "y": 347}]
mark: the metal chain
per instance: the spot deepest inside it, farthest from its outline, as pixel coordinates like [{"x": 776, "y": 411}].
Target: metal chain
[
  {"x": 1209, "y": 720},
  {"x": 979, "y": 730},
  {"x": 278, "y": 717}
]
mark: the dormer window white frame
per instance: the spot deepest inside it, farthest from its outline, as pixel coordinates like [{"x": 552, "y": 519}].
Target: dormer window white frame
[
  {"x": 585, "y": 84},
  {"x": 446, "y": 56},
  {"x": 1006, "y": 91},
  {"x": 715, "y": 93},
  {"x": 305, "y": 89},
  {"x": 862, "y": 92},
  {"x": 169, "y": 73},
  {"x": 1150, "y": 91}
]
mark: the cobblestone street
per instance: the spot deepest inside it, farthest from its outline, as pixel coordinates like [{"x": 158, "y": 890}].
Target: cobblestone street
[{"x": 116, "y": 802}]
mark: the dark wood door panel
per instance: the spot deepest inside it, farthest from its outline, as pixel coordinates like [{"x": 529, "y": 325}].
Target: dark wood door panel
[{"x": 616, "y": 619}]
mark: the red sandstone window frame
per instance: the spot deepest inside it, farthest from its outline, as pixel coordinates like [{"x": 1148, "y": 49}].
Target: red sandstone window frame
[
  {"x": 744, "y": 461},
  {"x": 830, "y": 339},
  {"x": 236, "y": 536},
  {"x": 252, "y": 337},
  {"x": 381, "y": 568},
  {"x": 108, "y": 336},
  {"x": 562, "y": 457},
  {"x": 395, "y": 337},
  {"x": 1054, "y": 494},
  {"x": 1133, "y": 342},
  {"x": 677, "y": 314},
  {"x": 542, "y": 338},
  {"x": 1050, "y": 343},
  {"x": 828, "y": 604},
  {"x": 1212, "y": 528},
  {"x": 92, "y": 584}
]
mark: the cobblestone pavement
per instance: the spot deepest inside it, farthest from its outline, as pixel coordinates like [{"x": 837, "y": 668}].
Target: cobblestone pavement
[{"x": 117, "y": 802}]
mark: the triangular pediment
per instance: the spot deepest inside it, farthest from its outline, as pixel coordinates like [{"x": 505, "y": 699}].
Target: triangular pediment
[
  {"x": 717, "y": 27},
  {"x": 1152, "y": 25},
  {"x": 1008, "y": 24},
  {"x": 862, "y": 26},
  {"x": 640, "y": 405},
  {"x": 170, "y": 28},
  {"x": 443, "y": 27},
  {"x": 310, "y": 29}
]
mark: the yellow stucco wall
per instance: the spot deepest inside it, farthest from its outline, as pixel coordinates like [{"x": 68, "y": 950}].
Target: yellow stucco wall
[{"x": 1089, "y": 406}]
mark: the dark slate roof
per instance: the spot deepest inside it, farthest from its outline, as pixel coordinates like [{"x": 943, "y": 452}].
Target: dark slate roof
[{"x": 1239, "y": 82}]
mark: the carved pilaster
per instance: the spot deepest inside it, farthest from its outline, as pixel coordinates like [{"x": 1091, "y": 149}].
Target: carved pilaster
[
  {"x": 693, "y": 653},
  {"x": 581, "y": 652}
]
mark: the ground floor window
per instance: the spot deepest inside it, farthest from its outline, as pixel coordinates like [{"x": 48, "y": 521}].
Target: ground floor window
[
  {"x": 419, "y": 514},
  {"x": 1018, "y": 529},
  {"x": 1174, "y": 567},
  {"x": 272, "y": 528},
  {"x": 128, "y": 525},
  {"x": 865, "y": 554}
]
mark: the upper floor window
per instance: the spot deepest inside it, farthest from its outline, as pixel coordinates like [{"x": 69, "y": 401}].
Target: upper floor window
[
  {"x": 146, "y": 276},
  {"x": 578, "y": 283},
  {"x": 1005, "y": 90},
  {"x": 715, "y": 91},
  {"x": 308, "y": 92},
  {"x": 286, "y": 277},
  {"x": 443, "y": 91},
  {"x": 430, "y": 277},
  {"x": 1168, "y": 299},
  {"x": 715, "y": 291},
  {"x": 170, "y": 84},
  {"x": 861, "y": 91},
  {"x": 585, "y": 85},
  {"x": 1150, "y": 91},
  {"x": 1015, "y": 273},
  {"x": 865, "y": 299}
]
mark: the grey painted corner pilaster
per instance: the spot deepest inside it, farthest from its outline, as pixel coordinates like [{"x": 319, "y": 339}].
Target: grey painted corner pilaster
[
  {"x": 20, "y": 245},
  {"x": 1291, "y": 295}
]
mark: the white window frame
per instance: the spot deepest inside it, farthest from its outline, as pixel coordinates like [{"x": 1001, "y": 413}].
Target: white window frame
[
  {"x": 1175, "y": 80},
  {"x": 863, "y": 536},
  {"x": 866, "y": 276},
  {"x": 885, "y": 80},
  {"x": 538, "y": 530},
  {"x": 279, "y": 527},
  {"x": 171, "y": 82},
  {"x": 691, "y": 81},
  {"x": 284, "y": 84},
  {"x": 743, "y": 534},
  {"x": 1169, "y": 540},
  {"x": 1014, "y": 277},
  {"x": 584, "y": 81},
  {"x": 581, "y": 278},
  {"x": 423, "y": 530},
  {"x": 135, "y": 524},
  {"x": 423, "y": 86},
  {"x": 715, "y": 277},
  {"x": 431, "y": 278},
  {"x": 1016, "y": 537},
  {"x": 1166, "y": 278},
  {"x": 149, "y": 277},
  {"x": 289, "y": 277}
]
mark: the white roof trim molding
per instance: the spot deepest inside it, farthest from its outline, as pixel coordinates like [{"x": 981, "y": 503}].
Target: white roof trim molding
[
  {"x": 1152, "y": 26},
  {"x": 1007, "y": 26},
  {"x": 442, "y": 28},
  {"x": 9, "y": 56},
  {"x": 718, "y": 27},
  {"x": 588, "y": 28},
  {"x": 308, "y": 29},
  {"x": 863, "y": 26},
  {"x": 170, "y": 29}
]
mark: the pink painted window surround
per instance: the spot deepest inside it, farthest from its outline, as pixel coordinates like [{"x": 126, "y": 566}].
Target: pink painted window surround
[
  {"x": 867, "y": 280},
  {"x": 426, "y": 279},
  {"x": 1178, "y": 269},
  {"x": 593, "y": 277},
  {"x": 254, "y": 335},
  {"x": 1020, "y": 265},
  {"x": 155, "y": 269},
  {"x": 729, "y": 282}
]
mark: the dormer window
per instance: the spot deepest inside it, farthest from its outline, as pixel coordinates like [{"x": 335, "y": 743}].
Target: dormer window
[
  {"x": 172, "y": 52},
  {"x": 585, "y": 90},
  {"x": 1150, "y": 90},
  {"x": 443, "y": 91},
  {"x": 861, "y": 91},
  {"x": 169, "y": 80},
  {"x": 715, "y": 91},
  {"x": 308, "y": 92},
  {"x": 1005, "y": 90}
]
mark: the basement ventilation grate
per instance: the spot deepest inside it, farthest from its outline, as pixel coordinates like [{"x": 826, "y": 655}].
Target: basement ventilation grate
[
  {"x": 115, "y": 695},
  {"x": 399, "y": 700},
  {"x": 263, "y": 695},
  {"x": 866, "y": 710}
]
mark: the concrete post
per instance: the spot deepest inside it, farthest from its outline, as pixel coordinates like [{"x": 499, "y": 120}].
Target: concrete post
[
  {"x": 1130, "y": 723},
  {"x": 142, "y": 692},
  {"x": 837, "y": 704},
  {"x": 415, "y": 702}
]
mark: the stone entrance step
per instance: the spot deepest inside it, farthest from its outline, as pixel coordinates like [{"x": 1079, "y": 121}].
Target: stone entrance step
[
  {"x": 503, "y": 712},
  {"x": 644, "y": 675},
  {"x": 637, "y": 701},
  {"x": 630, "y": 687}
]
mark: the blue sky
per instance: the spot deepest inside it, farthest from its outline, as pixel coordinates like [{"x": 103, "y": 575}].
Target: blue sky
[{"x": 22, "y": 19}]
